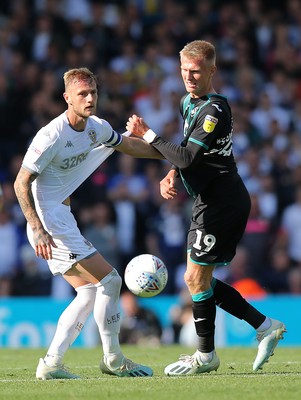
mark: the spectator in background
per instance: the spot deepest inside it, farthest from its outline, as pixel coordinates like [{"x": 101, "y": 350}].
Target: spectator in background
[
  {"x": 139, "y": 325},
  {"x": 294, "y": 281},
  {"x": 291, "y": 227},
  {"x": 267, "y": 198},
  {"x": 262, "y": 116},
  {"x": 43, "y": 35},
  {"x": 34, "y": 277},
  {"x": 9, "y": 243},
  {"x": 241, "y": 276},
  {"x": 128, "y": 191},
  {"x": 77, "y": 10},
  {"x": 283, "y": 175},
  {"x": 280, "y": 88},
  {"x": 296, "y": 117},
  {"x": 182, "y": 320},
  {"x": 256, "y": 238},
  {"x": 153, "y": 172},
  {"x": 274, "y": 277},
  {"x": 250, "y": 167},
  {"x": 148, "y": 70},
  {"x": 101, "y": 231},
  {"x": 152, "y": 105},
  {"x": 125, "y": 63},
  {"x": 6, "y": 106},
  {"x": 166, "y": 238}
]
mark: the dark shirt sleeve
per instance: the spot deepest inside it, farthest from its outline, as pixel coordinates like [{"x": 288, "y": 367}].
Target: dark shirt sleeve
[
  {"x": 180, "y": 156},
  {"x": 199, "y": 141}
]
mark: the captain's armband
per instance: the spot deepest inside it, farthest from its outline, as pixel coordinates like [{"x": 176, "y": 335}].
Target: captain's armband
[{"x": 114, "y": 140}]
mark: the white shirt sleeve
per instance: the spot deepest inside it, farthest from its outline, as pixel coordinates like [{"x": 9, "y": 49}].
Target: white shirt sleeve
[{"x": 41, "y": 151}]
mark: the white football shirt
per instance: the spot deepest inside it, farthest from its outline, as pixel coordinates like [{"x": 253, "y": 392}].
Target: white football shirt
[{"x": 63, "y": 158}]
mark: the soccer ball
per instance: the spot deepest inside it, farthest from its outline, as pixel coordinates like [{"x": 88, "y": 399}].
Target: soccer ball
[{"x": 146, "y": 275}]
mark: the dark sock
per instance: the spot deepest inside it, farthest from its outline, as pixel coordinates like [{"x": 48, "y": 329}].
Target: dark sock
[
  {"x": 254, "y": 317},
  {"x": 230, "y": 300},
  {"x": 205, "y": 310}
]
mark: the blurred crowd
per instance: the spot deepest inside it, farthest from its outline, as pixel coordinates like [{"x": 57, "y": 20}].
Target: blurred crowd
[{"x": 133, "y": 48}]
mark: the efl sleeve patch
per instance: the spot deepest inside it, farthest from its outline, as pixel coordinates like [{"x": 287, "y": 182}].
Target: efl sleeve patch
[{"x": 209, "y": 123}]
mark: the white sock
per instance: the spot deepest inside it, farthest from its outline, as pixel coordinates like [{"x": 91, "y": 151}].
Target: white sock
[
  {"x": 107, "y": 314},
  {"x": 265, "y": 325},
  {"x": 205, "y": 358},
  {"x": 70, "y": 323}
]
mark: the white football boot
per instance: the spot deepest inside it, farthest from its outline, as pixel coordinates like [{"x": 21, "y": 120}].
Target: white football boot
[
  {"x": 268, "y": 340},
  {"x": 190, "y": 365},
  {"x": 45, "y": 372},
  {"x": 126, "y": 368}
]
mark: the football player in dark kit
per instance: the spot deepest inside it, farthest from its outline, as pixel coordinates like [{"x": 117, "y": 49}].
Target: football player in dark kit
[{"x": 204, "y": 162}]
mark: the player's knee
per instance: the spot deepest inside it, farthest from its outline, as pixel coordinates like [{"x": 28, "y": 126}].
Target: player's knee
[
  {"x": 116, "y": 281},
  {"x": 197, "y": 282},
  {"x": 111, "y": 283},
  {"x": 189, "y": 279}
]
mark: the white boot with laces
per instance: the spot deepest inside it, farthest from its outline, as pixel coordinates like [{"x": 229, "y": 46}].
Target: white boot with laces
[
  {"x": 190, "y": 365},
  {"x": 125, "y": 368},
  {"x": 45, "y": 372}
]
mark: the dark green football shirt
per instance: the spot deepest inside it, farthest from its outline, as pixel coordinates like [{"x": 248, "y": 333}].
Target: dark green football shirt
[{"x": 205, "y": 153}]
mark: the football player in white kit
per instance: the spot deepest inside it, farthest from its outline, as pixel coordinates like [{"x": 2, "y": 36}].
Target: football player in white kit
[{"x": 60, "y": 157}]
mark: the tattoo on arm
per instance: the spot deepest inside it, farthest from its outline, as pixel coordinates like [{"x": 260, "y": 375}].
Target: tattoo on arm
[{"x": 24, "y": 195}]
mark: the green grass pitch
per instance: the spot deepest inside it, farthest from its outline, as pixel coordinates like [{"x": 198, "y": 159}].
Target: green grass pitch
[{"x": 234, "y": 380}]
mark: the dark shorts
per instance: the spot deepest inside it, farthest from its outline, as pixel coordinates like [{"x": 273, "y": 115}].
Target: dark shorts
[{"x": 219, "y": 218}]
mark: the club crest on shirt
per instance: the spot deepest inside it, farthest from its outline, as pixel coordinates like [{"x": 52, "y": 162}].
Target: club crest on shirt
[
  {"x": 209, "y": 123},
  {"x": 92, "y": 136}
]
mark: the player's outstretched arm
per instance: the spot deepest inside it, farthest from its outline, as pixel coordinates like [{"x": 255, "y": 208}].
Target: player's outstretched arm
[
  {"x": 42, "y": 240},
  {"x": 137, "y": 147}
]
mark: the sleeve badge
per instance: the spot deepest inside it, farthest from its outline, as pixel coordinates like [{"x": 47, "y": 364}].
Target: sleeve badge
[{"x": 209, "y": 123}]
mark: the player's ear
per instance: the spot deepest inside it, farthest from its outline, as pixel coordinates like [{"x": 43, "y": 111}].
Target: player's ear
[{"x": 67, "y": 99}]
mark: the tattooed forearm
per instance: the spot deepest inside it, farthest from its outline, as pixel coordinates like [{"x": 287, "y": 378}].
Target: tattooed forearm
[{"x": 24, "y": 195}]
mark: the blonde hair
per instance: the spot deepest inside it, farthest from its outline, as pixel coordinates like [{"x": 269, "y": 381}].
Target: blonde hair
[
  {"x": 200, "y": 49},
  {"x": 78, "y": 74}
]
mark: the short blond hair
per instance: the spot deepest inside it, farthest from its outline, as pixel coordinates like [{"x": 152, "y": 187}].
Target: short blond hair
[
  {"x": 200, "y": 48},
  {"x": 78, "y": 74}
]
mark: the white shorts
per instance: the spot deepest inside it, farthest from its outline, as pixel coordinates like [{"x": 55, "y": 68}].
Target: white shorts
[{"x": 72, "y": 247}]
